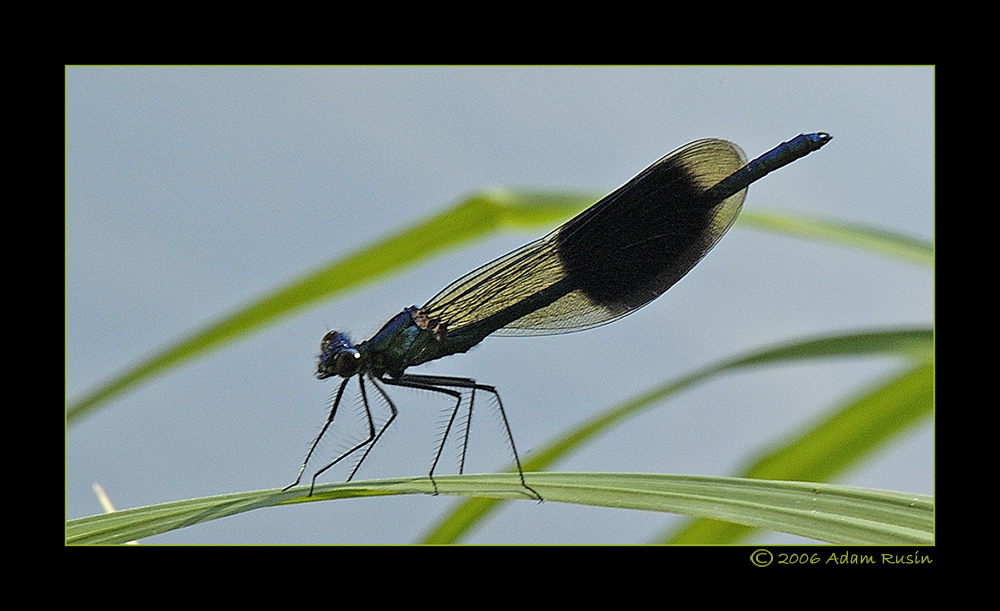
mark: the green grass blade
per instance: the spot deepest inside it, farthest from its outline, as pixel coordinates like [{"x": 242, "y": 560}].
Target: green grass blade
[
  {"x": 479, "y": 215},
  {"x": 821, "y": 451},
  {"x": 880, "y": 241},
  {"x": 475, "y": 216},
  {"x": 915, "y": 344},
  {"x": 488, "y": 489},
  {"x": 141, "y": 522},
  {"x": 838, "y": 514}
]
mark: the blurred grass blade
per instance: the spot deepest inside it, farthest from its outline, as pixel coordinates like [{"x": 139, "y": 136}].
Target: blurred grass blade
[
  {"x": 850, "y": 433},
  {"x": 917, "y": 344},
  {"x": 881, "y": 241},
  {"x": 838, "y": 514},
  {"x": 475, "y": 216}
]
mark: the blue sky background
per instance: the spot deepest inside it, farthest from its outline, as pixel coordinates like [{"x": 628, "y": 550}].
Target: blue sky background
[{"x": 191, "y": 191}]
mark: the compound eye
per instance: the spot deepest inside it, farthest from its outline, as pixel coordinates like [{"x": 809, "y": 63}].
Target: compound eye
[
  {"x": 348, "y": 362},
  {"x": 337, "y": 356}
]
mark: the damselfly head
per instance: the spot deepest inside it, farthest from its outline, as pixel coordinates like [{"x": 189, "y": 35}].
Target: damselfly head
[{"x": 337, "y": 357}]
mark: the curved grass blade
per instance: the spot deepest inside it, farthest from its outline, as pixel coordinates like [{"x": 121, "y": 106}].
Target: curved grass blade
[
  {"x": 852, "y": 432},
  {"x": 881, "y": 241},
  {"x": 141, "y": 522},
  {"x": 475, "y": 216},
  {"x": 917, "y": 344},
  {"x": 838, "y": 514}
]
